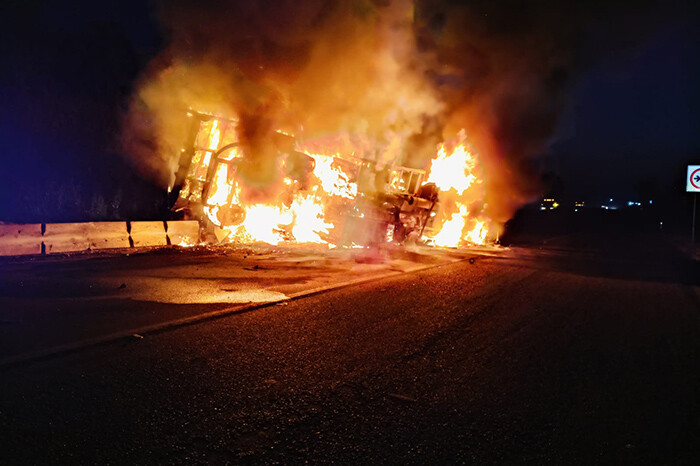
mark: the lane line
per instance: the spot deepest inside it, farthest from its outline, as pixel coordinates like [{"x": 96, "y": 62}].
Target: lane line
[{"x": 191, "y": 320}]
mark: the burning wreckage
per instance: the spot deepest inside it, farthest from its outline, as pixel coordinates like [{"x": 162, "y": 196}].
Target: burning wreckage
[{"x": 329, "y": 197}]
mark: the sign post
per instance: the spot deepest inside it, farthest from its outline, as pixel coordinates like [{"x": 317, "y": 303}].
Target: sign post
[
  {"x": 693, "y": 186},
  {"x": 692, "y": 232}
]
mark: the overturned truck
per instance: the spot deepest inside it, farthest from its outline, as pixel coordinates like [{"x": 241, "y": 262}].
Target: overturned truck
[{"x": 329, "y": 197}]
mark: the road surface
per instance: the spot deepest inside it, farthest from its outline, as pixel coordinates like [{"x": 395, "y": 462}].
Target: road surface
[{"x": 521, "y": 357}]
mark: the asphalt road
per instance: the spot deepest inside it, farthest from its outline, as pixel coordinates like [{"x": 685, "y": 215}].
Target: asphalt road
[
  {"x": 525, "y": 357},
  {"x": 50, "y": 304}
]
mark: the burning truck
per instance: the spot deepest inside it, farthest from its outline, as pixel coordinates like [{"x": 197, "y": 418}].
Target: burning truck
[{"x": 323, "y": 196}]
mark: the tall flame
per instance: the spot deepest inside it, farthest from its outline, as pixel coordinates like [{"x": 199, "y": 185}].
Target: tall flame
[{"x": 455, "y": 173}]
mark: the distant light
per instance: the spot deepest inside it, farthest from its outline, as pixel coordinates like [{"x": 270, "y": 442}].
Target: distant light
[
  {"x": 611, "y": 199},
  {"x": 555, "y": 205},
  {"x": 575, "y": 210},
  {"x": 649, "y": 201},
  {"x": 542, "y": 207}
]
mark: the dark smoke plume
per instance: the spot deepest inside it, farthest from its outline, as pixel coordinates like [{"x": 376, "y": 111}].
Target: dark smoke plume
[
  {"x": 388, "y": 70},
  {"x": 504, "y": 70}
]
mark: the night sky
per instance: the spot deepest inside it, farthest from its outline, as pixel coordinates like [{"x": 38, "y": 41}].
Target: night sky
[
  {"x": 628, "y": 127},
  {"x": 633, "y": 118}
]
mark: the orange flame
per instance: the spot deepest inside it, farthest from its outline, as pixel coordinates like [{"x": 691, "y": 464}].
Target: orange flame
[
  {"x": 450, "y": 233},
  {"x": 455, "y": 173},
  {"x": 334, "y": 181},
  {"x": 300, "y": 211},
  {"x": 454, "y": 170},
  {"x": 302, "y": 221}
]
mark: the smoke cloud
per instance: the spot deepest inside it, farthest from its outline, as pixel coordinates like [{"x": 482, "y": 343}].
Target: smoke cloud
[
  {"x": 403, "y": 74},
  {"x": 313, "y": 68}
]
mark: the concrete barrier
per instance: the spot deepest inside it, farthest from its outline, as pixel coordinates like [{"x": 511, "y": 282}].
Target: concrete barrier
[
  {"x": 16, "y": 240},
  {"x": 108, "y": 235},
  {"x": 19, "y": 239},
  {"x": 183, "y": 232},
  {"x": 74, "y": 237},
  {"x": 148, "y": 234},
  {"x": 66, "y": 237}
]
